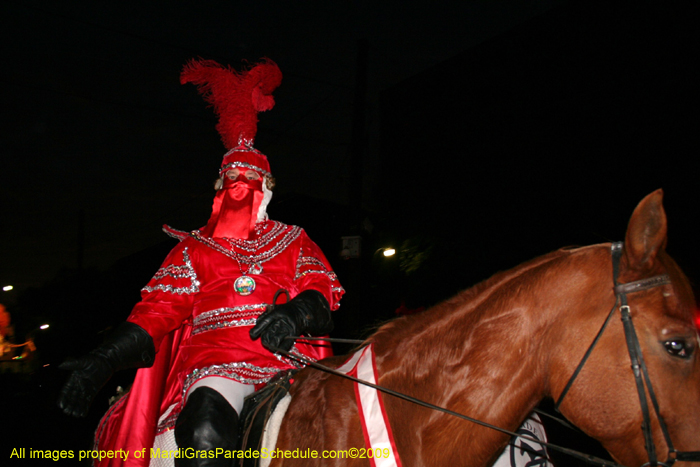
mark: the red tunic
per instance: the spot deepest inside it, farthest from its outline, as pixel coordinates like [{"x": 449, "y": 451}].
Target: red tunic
[{"x": 200, "y": 325}]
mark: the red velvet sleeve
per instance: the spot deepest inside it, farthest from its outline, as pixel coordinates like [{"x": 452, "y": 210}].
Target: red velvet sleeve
[
  {"x": 167, "y": 299},
  {"x": 314, "y": 272}
]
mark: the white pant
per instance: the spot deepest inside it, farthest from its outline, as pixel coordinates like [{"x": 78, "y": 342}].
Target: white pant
[{"x": 233, "y": 391}]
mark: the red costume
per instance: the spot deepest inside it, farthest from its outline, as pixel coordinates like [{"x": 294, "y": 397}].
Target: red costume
[
  {"x": 195, "y": 285},
  {"x": 200, "y": 325},
  {"x": 201, "y": 304}
]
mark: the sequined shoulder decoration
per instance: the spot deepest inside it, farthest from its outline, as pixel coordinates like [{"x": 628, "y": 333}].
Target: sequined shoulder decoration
[
  {"x": 175, "y": 278},
  {"x": 175, "y": 233},
  {"x": 311, "y": 265}
]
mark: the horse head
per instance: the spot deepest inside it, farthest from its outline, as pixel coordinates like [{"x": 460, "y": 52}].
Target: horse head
[{"x": 605, "y": 399}]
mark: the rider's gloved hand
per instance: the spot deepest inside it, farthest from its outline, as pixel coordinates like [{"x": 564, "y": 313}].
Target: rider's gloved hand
[
  {"x": 307, "y": 313},
  {"x": 130, "y": 346}
]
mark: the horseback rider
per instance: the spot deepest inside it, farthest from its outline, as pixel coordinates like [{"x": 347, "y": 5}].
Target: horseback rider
[{"x": 203, "y": 331}]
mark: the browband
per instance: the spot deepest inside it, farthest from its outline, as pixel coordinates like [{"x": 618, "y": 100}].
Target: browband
[{"x": 642, "y": 284}]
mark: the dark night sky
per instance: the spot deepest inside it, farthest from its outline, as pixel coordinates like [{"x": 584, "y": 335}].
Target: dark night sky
[
  {"x": 550, "y": 134},
  {"x": 548, "y": 121},
  {"x": 499, "y": 129},
  {"x": 96, "y": 123},
  {"x": 95, "y": 119}
]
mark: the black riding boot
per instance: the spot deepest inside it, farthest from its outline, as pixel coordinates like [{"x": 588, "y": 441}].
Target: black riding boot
[{"x": 206, "y": 422}]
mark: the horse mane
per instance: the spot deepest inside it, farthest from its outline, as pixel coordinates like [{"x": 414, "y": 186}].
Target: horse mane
[
  {"x": 472, "y": 343},
  {"x": 465, "y": 301}
]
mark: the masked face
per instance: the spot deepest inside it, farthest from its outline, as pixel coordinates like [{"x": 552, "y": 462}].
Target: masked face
[
  {"x": 240, "y": 198},
  {"x": 240, "y": 182}
]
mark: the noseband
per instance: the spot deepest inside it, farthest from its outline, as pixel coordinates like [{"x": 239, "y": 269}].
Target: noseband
[{"x": 639, "y": 368}]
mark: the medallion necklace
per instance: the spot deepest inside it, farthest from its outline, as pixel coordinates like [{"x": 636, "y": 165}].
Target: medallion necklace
[{"x": 245, "y": 284}]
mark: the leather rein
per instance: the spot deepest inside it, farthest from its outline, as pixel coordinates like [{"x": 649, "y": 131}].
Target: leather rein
[{"x": 639, "y": 368}]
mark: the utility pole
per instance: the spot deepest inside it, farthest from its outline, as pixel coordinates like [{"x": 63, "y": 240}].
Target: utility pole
[
  {"x": 81, "y": 239},
  {"x": 358, "y": 137},
  {"x": 351, "y": 321}
]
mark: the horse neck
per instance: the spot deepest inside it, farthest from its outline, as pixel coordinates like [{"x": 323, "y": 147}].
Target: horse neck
[{"x": 487, "y": 349}]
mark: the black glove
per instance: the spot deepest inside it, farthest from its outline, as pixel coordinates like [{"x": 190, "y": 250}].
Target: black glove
[
  {"x": 307, "y": 313},
  {"x": 130, "y": 346}
]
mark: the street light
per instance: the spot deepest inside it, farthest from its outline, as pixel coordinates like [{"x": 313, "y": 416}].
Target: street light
[
  {"x": 386, "y": 251},
  {"x": 7, "y": 288}
]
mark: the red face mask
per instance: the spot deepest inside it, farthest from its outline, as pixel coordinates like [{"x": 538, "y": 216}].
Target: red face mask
[{"x": 236, "y": 205}]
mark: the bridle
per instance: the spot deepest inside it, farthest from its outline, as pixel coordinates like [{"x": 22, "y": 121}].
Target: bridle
[{"x": 639, "y": 368}]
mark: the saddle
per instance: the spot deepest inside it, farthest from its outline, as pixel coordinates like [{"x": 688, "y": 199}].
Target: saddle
[{"x": 257, "y": 409}]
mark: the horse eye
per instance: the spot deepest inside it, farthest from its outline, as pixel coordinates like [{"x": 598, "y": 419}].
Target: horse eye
[{"x": 678, "y": 348}]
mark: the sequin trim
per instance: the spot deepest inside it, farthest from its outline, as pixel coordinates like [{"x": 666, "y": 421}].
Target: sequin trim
[
  {"x": 315, "y": 266},
  {"x": 244, "y": 145},
  {"x": 274, "y": 230},
  {"x": 175, "y": 233},
  {"x": 168, "y": 419},
  {"x": 293, "y": 362},
  {"x": 245, "y": 315},
  {"x": 241, "y": 372},
  {"x": 105, "y": 421},
  {"x": 288, "y": 235},
  {"x": 231, "y": 165},
  {"x": 176, "y": 272}
]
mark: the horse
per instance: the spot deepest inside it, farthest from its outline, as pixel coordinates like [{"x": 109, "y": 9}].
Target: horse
[{"x": 494, "y": 351}]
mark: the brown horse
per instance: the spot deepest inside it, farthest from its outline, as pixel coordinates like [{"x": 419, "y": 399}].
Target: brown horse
[{"x": 493, "y": 352}]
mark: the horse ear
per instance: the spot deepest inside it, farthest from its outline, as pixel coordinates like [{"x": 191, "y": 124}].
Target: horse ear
[{"x": 646, "y": 232}]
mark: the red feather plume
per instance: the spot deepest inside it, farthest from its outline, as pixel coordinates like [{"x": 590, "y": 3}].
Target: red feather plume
[{"x": 237, "y": 97}]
